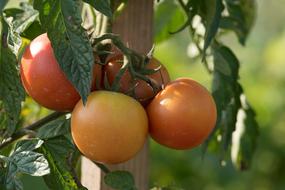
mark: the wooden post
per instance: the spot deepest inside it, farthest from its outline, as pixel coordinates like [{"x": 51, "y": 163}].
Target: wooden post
[{"x": 135, "y": 27}]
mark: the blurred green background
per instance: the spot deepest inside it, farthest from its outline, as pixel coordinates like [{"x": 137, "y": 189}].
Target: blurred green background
[{"x": 263, "y": 77}]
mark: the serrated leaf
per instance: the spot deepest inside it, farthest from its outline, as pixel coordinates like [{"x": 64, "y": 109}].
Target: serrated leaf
[
  {"x": 27, "y": 145},
  {"x": 11, "y": 90},
  {"x": 168, "y": 18},
  {"x": 72, "y": 49},
  {"x": 29, "y": 162},
  {"x": 120, "y": 180},
  {"x": 25, "y": 160},
  {"x": 102, "y": 6},
  {"x": 58, "y": 151},
  {"x": 213, "y": 24},
  {"x": 54, "y": 128}
]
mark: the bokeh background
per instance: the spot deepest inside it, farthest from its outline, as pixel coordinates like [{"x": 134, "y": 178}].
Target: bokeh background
[{"x": 263, "y": 77}]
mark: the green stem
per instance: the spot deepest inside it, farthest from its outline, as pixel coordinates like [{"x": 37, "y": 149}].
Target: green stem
[
  {"x": 102, "y": 167},
  {"x": 22, "y": 132}
]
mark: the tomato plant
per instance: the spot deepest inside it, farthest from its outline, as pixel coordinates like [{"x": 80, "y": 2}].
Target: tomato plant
[
  {"x": 70, "y": 42},
  {"x": 140, "y": 89},
  {"x": 99, "y": 126},
  {"x": 182, "y": 115},
  {"x": 43, "y": 79}
]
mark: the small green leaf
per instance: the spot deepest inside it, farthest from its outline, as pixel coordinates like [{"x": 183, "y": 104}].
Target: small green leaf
[
  {"x": 72, "y": 49},
  {"x": 120, "y": 180},
  {"x": 58, "y": 151},
  {"x": 102, "y": 6},
  {"x": 54, "y": 128},
  {"x": 213, "y": 24}
]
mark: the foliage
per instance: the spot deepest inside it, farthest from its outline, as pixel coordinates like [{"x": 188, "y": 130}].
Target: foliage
[{"x": 207, "y": 21}]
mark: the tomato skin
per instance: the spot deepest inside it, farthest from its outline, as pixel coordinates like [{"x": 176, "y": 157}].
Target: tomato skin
[
  {"x": 143, "y": 91},
  {"x": 111, "y": 128},
  {"x": 182, "y": 115},
  {"x": 43, "y": 79}
]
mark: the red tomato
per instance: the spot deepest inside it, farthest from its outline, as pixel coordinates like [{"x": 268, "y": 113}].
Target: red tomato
[
  {"x": 143, "y": 91},
  {"x": 111, "y": 127},
  {"x": 43, "y": 79},
  {"x": 182, "y": 115}
]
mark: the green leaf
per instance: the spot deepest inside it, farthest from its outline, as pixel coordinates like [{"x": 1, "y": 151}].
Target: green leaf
[
  {"x": 2, "y": 177},
  {"x": 168, "y": 18},
  {"x": 241, "y": 17},
  {"x": 72, "y": 49},
  {"x": 245, "y": 136},
  {"x": 54, "y": 128},
  {"x": 102, "y": 6},
  {"x": 58, "y": 151},
  {"x": 29, "y": 162},
  {"x": 212, "y": 25},
  {"x": 11, "y": 90},
  {"x": 226, "y": 62},
  {"x": 234, "y": 114},
  {"x": 34, "y": 30},
  {"x": 12, "y": 182},
  {"x": 24, "y": 160},
  {"x": 22, "y": 18},
  {"x": 120, "y": 180},
  {"x": 27, "y": 145}
]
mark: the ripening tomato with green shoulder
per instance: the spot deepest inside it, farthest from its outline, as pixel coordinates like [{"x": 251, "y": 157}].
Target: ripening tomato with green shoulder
[
  {"x": 44, "y": 80},
  {"x": 182, "y": 115},
  {"x": 111, "y": 128},
  {"x": 142, "y": 90}
]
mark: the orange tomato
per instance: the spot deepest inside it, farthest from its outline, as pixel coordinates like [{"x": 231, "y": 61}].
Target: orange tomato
[
  {"x": 43, "y": 79},
  {"x": 143, "y": 91},
  {"x": 182, "y": 115},
  {"x": 111, "y": 127}
]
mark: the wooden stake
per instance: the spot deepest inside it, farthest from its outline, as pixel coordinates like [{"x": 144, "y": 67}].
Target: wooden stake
[{"x": 135, "y": 27}]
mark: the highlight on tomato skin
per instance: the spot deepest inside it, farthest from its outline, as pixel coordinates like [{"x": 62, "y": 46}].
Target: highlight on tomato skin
[
  {"x": 111, "y": 128},
  {"x": 43, "y": 79},
  {"x": 143, "y": 91},
  {"x": 182, "y": 115}
]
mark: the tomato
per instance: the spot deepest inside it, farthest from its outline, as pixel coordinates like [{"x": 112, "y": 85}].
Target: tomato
[
  {"x": 111, "y": 127},
  {"x": 43, "y": 79},
  {"x": 182, "y": 115},
  {"x": 143, "y": 91}
]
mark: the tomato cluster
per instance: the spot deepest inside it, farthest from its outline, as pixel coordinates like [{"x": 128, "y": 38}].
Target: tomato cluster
[{"x": 112, "y": 126}]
